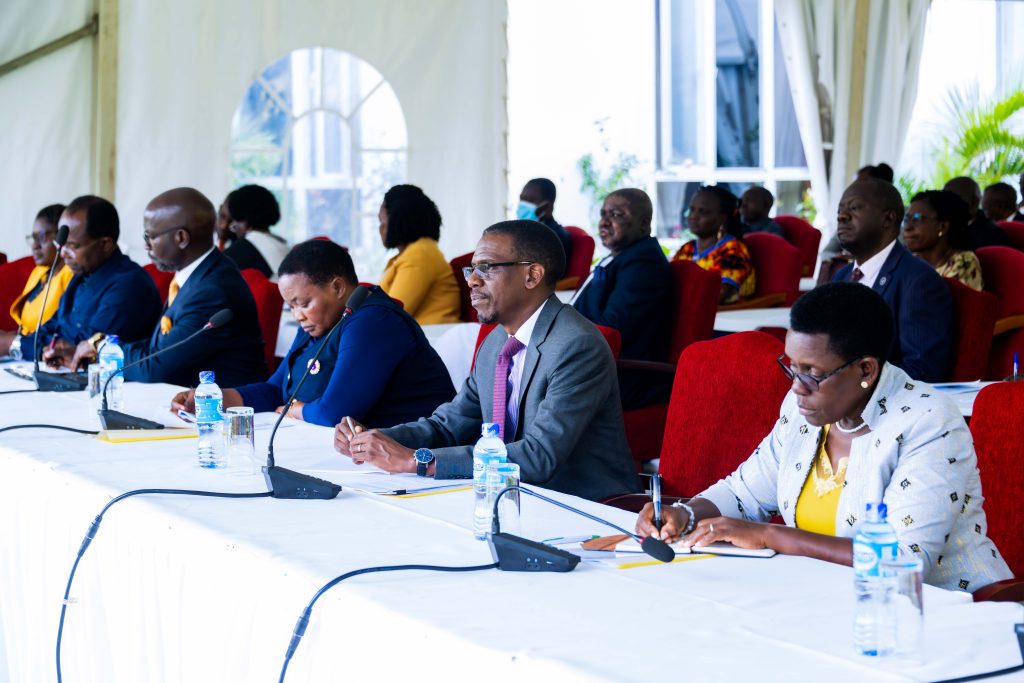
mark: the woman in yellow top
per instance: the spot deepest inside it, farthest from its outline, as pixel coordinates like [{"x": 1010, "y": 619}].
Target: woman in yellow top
[
  {"x": 419, "y": 276},
  {"x": 26, "y": 308},
  {"x": 935, "y": 230}
]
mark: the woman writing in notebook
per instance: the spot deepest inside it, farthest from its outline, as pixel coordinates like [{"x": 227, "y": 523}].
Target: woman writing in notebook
[{"x": 852, "y": 430}]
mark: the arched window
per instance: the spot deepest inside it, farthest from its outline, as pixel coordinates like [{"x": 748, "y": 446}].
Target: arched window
[{"x": 323, "y": 131}]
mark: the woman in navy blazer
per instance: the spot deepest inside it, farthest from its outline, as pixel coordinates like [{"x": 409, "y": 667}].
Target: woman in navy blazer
[{"x": 378, "y": 367}]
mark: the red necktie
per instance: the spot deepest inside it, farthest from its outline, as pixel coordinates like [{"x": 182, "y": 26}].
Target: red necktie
[
  {"x": 857, "y": 275},
  {"x": 503, "y": 388}
]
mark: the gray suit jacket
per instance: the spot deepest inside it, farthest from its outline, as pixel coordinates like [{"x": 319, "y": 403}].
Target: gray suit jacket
[{"x": 570, "y": 435}]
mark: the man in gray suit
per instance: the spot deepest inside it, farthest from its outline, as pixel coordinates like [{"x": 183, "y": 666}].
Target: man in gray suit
[{"x": 562, "y": 419}]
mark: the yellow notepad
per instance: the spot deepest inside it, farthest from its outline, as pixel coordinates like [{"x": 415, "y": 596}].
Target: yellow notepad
[{"x": 135, "y": 435}]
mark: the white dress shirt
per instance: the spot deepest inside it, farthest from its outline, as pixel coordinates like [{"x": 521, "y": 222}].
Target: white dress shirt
[
  {"x": 515, "y": 373},
  {"x": 182, "y": 275},
  {"x": 873, "y": 265}
]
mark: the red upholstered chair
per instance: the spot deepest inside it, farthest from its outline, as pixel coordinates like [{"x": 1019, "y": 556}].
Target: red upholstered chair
[
  {"x": 695, "y": 294},
  {"x": 1015, "y": 232},
  {"x": 578, "y": 267},
  {"x": 1003, "y": 269},
  {"x": 777, "y": 267},
  {"x": 974, "y": 320},
  {"x": 995, "y": 426},
  {"x": 268, "y": 308},
  {"x": 804, "y": 237},
  {"x": 13, "y": 277},
  {"x": 162, "y": 279},
  {"x": 467, "y": 312},
  {"x": 715, "y": 420}
]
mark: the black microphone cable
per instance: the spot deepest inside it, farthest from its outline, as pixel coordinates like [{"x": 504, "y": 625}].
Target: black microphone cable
[
  {"x": 42, "y": 426},
  {"x": 300, "y": 625},
  {"x": 95, "y": 526}
]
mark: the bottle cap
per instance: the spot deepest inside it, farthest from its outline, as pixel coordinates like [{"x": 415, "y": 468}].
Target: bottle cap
[
  {"x": 490, "y": 429},
  {"x": 112, "y": 339},
  {"x": 207, "y": 376}
]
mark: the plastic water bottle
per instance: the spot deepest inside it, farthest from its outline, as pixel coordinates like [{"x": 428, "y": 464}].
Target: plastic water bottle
[
  {"x": 111, "y": 360},
  {"x": 874, "y": 622},
  {"x": 489, "y": 449},
  {"x": 210, "y": 421}
]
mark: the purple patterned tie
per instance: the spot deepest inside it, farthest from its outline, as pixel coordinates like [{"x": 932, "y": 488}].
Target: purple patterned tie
[
  {"x": 857, "y": 275},
  {"x": 503, "y": 386}
]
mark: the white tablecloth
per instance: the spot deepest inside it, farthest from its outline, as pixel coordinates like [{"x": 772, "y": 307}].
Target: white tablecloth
[{"x": 197, "y": 589}]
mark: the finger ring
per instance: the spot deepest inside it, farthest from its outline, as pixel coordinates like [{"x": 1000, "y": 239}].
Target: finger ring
[
  {"x": 360, "y": 449},
  {"x": 711, "y": 528}
]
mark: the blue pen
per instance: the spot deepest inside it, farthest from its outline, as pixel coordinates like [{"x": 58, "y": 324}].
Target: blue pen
[
  {"x": 656, "y": 495},
  {"x": 1015, "y": 373}
]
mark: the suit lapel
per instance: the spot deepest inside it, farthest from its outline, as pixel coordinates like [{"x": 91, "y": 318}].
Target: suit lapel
[
  {"x": 533, "y": 351},
  {"x": 885, "y": 275}
]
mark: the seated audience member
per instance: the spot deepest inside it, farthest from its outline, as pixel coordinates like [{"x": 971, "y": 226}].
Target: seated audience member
[
  {"x": 537, "y": 203},
  {"x": 109, "y": 293},
  {"x": 999, "y": 202},
  {"x": 833, "y": 254},
  {"x": 981, "y": 231},
  {"x": 882, "y": 171},
  {"x": 630, "y": 290},
  {"x": 868, "y": 221},
  {"x": 178, "y": 231},
  {"x": 557, "y": 399},
  {"x": 378, "y": 367},
  {"x": 253, "y": 209},
  {"x": 223, "y": 227},
  {"x": 935, "y": 229},
  {"x": 871, "y": 434},
  {"x": 712, "y": 218},
  {"x": 419, "y": 276},
  {"x": 755, "y": 204},
  {"x": 26, "y": 309}
]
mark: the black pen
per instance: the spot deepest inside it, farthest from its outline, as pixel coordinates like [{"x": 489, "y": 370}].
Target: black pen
[{"x": 656, "y": 495}]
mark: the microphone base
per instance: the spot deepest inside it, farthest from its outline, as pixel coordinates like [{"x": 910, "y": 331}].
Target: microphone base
[
  {"x": 112, "y": 419},
  {"x": 517, "y": 554},
  {"x": 290, "y": 485},
  {"x": 57, "y": 381}
]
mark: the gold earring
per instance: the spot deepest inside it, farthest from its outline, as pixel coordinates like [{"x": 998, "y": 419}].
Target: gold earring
[
  {"x": 863, "y": 384},
  {"x": 940, "y": 233}
]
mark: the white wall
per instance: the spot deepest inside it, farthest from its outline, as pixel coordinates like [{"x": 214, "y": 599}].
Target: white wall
[{"x": 571, "y": 63}]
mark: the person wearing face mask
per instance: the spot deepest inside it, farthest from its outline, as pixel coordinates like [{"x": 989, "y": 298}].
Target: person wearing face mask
[
  {"x": 378, "y": 367},
  {"x": 537, "y": 203},
  {"x": 26, "y": 309}
]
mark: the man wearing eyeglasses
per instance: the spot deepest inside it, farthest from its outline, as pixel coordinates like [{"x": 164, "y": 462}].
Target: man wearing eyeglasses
[
  {"x": 868, "y": 222},
  {"x": 109, "y": 293},
  {"x": 545, "y": 375},
  {"x": 629, "y": 291},
  {"x": 178, "y": 233}
]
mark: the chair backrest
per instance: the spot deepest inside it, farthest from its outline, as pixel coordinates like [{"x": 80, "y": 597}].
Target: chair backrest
[
  {"x": 725, "y": 400},
  {"x": 611, "y": 335},
  {"x": 13, "y": 276},
  {"x": 695, "y": 294},
  {"x": 777, "y": 265},
  {"x": 996, "y": 427},
  {"x": 1002, "y": 269},
  {"x": 161, "y": 279},
  {"x": 582, "y": 253},
  {"x": 1015, "y": 232},
  {"x": 804, "y": 237},
  {"x": 268, "y": 308},
  {"x": 466, "y": 311},
  {"x": 974, "y": 321}
]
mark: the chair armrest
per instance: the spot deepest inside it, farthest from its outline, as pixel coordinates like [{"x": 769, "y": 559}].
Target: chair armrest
[
  {"x": 634, "y": 502},
  {"x": 567, "y": 283},
  {"x": 1009, "y": 323},
  {"x": 649, "y": 365},
  {"x": 767, "y": 301},
  {"x": 1010, "y": 590}
]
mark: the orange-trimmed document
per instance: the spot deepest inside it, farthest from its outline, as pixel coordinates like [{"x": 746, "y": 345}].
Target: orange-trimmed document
[{"x": 622, "y": 543}]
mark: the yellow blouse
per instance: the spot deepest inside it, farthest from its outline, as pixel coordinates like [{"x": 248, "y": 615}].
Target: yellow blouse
[
  {"x": 819, "y": 499},
  {"x": 25, "y": 309},
  {"x": 421, "y": 278}
]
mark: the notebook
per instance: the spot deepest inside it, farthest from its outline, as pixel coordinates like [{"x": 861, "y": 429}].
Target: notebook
[{"x": 621, "y": 543}]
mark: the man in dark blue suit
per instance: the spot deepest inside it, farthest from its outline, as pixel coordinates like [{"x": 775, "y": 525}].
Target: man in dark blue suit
[
  {"x": 868, "y": 222},
  {"x": 629, "y": 290},
  {"x": 178, "y": 230}
]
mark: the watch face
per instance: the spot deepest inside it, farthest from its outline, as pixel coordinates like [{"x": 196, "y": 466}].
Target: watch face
[{"x": 423, "y": 455}]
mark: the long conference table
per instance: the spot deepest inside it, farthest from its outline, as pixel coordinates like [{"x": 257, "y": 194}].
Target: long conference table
[{"x": 202, "y": 589}]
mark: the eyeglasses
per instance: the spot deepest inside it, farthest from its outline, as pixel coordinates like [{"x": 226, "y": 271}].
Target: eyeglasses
[
  {"x": 483, "y": 270},
  {"x": 147, "y": 238},
  {"x": 916, "y": 219},
  {"x": 811, "y": 382},
  {"x": 39, "y": 238}
]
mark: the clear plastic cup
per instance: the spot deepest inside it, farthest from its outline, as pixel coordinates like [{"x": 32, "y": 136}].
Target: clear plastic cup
[
  {"x": 240, "y": 435},
  {"x": 905, "y": 575}
]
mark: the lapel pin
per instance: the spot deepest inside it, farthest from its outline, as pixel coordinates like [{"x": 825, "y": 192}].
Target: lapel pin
[{"x": 313, "y": 365}]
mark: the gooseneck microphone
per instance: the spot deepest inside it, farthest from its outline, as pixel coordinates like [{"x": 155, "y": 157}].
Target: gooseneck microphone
[
  {"x": 52, "y": 381},
  {"x": 518, "y": 554},
  {"x": 113, "y": 419},
  {"x": 288, "y": 484}
]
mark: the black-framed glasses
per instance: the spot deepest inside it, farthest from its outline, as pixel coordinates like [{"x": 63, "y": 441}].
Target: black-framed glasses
[
  {"x": 917, "y": 218},
  {"x": 810, "y": 381},
  {"x": 147, "y": 238},
  {"x": 484, "y": 269}
]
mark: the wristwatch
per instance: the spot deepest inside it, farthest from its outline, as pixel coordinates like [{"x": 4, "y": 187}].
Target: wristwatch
[
  {"x": 94, "y": 341},
  {"x": 424, "y": 456}
]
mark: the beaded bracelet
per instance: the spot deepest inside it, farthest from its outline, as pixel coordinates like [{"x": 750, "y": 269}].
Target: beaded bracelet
[{"x": 691, "y": 521}]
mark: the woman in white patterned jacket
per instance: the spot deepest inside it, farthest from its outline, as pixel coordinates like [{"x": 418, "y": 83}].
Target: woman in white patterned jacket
[{"x": 852, "y": 430}]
